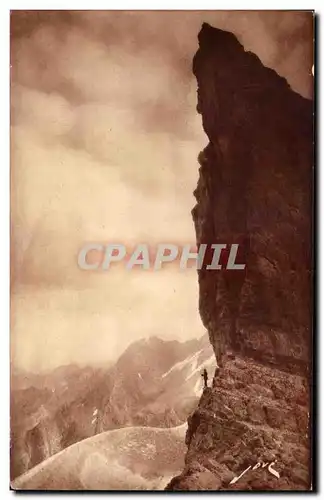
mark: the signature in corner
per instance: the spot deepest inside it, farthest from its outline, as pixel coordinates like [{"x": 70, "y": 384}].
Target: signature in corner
[{"x": 255, "y": 467}]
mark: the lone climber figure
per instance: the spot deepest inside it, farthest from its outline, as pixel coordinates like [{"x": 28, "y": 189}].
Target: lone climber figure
[{"x": 205, "y": 376}]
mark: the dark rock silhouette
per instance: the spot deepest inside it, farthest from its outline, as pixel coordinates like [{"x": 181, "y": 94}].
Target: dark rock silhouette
[
  {"x": 205, "y": 377},
  {"x": 254, "y": 189}
]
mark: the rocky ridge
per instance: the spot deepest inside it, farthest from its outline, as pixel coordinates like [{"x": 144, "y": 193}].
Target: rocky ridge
[{"x": 254, "y": 189}]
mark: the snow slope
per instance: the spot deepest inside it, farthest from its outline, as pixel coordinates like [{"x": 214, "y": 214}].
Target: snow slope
[
  {"x": 132, "y": 458},
  {"x": 154, "y": 383}
]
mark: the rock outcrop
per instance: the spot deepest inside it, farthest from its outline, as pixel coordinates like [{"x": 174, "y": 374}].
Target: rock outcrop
[{"x": 254, "y": 189}]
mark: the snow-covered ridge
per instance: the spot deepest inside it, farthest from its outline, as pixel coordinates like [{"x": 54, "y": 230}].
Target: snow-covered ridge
[
  {"x": 185, "y": 363},
  {"x": 134, "y": 458}
]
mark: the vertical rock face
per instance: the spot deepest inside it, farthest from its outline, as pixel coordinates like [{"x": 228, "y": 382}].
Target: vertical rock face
[{"x": 254, "y": 189}]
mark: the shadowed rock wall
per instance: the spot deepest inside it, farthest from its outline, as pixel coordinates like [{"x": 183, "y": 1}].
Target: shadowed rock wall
[{"x": 254, "y": 189}]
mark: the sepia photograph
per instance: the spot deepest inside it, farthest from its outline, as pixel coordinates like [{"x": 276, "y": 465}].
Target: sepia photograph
[{"x": 162, "y": 289}]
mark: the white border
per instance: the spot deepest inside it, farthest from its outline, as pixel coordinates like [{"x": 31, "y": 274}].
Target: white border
[{"x": 4, "y": 183}]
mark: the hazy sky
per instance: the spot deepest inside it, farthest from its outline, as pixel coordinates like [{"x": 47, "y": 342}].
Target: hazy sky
[{"x": 105, "y": 137}]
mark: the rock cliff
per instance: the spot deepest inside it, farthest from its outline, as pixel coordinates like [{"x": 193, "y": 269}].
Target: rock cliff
[{"x": 254, "y": 189}]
